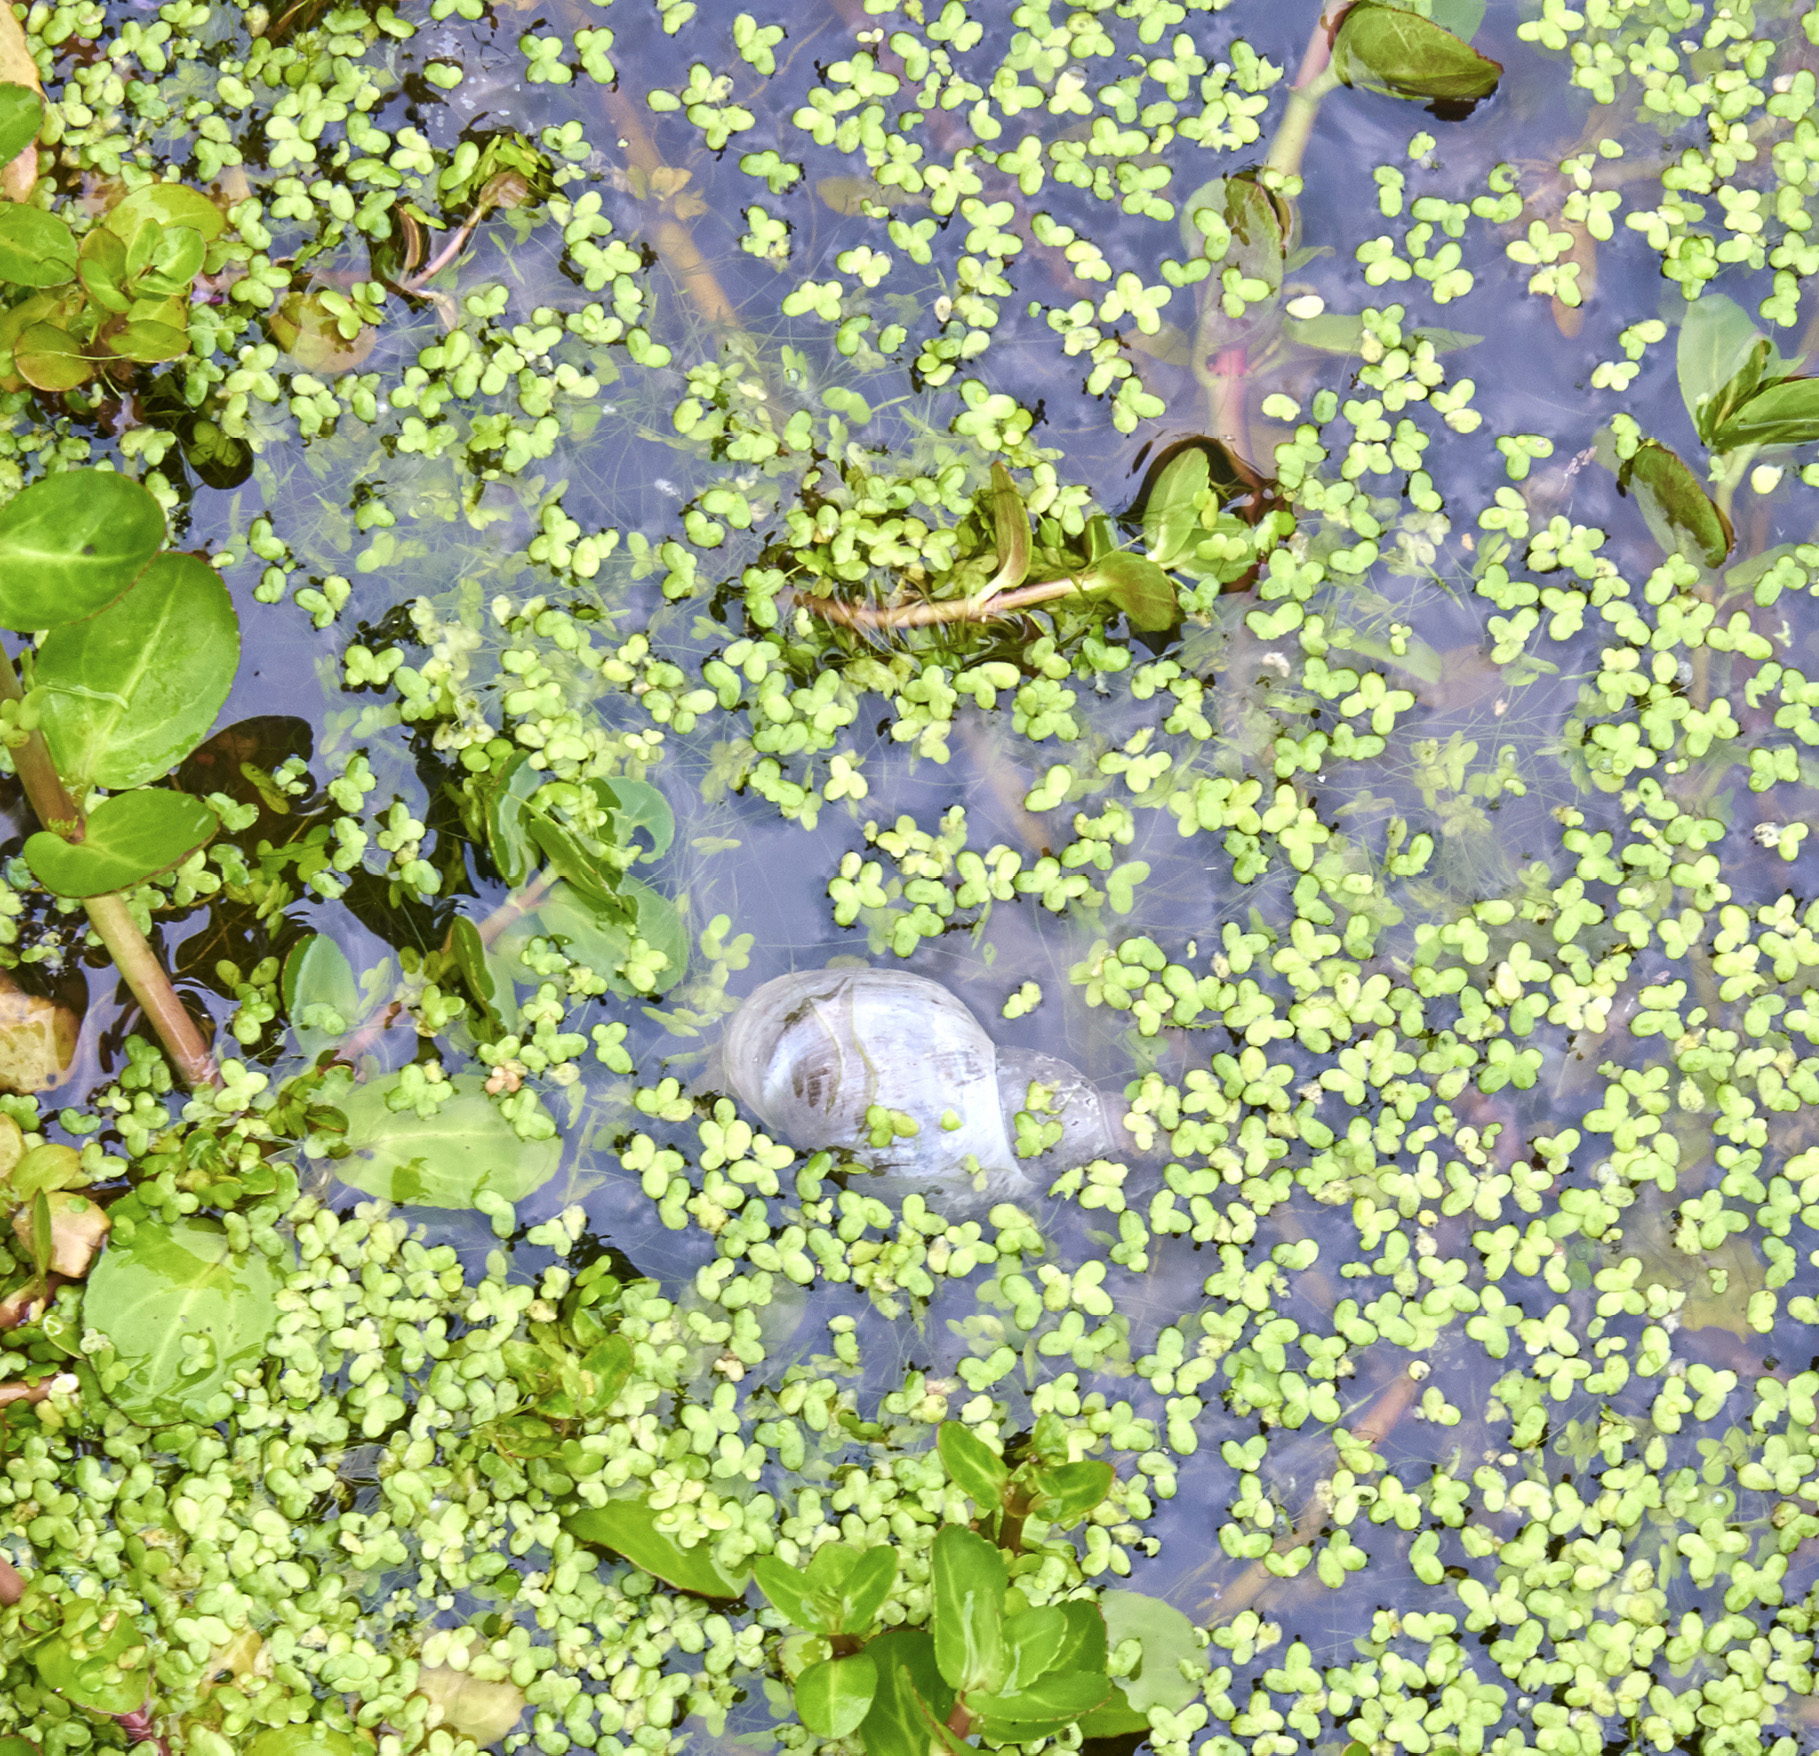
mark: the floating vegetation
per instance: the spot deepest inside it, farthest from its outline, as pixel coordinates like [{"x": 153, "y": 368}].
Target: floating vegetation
[{"x": 909, "y": 878}]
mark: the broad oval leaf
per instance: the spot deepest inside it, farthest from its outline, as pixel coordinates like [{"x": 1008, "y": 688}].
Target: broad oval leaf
[
  {"x": 1036, "y": 1639},
  {"x": 635, "y": 805},
  {"x": 1717, "y": 337},
  {"x": 908, "y": 1683},
  {"x": 309, "y": 1740},
  {"x": 1384, "y": 49},
  {"x": 135, "y": 688},
  {"x": 185, "y": 1312},
  {"x": 1679, "y": 513},
  {"x": 629, "y": 1527},
  {"x": 130, "y": 838},
  {"x": 465, "y": 1149},
  {"x": 1783, "y": 413},
  {"x": 1044, "y": 1708},
  {"x": 321, "y": 993},
  {"x": 310, "y": 333},
  {"x": 1168, "y": 1642},
  {"x": 866, "y": 1587},
  {"x": 790, "y": 1591},
  {"x": 1171, "y": 508},
  {"x": 90, "y": 1676},
  {"x": 170, "y": 204},
  {"x": 18, "y": 1747},
  {"x": 1138, "y": 587},
  {"x": 969, "y": 1580},
  {"x": 72, "y": 543},
  {"x": 972, "y": 1465},
  {"x": 21, "y": 116},
  {"x": 145, "y": 342},
  {"x": 601, "y": 937},
  {"x": 50, "y": 358},
  {"x": 1069, "y": 1491},
  {"x": 834, "y": 1696},
  {"x": 37, "y": 249}
]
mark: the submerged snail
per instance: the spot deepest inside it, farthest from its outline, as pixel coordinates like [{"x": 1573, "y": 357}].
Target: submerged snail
[{"x": 808, "y": 1054}]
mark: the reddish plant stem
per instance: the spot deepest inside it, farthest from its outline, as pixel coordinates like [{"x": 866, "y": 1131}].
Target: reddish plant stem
[
  {"x": 108, "y": 915},
  {"x": 12, "y": 1582},
  {"x": 138, "y": 1728},
  {"x": 24, "y": 1392}
]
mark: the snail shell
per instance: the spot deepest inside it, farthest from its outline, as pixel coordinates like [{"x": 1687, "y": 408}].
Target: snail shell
[{"x": 810, "y": 1053}]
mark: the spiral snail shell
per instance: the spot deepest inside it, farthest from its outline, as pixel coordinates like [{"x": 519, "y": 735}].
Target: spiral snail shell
[{"x": 810, "y": 1053}]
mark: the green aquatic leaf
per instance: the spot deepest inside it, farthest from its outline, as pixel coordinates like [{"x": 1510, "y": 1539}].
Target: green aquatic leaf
[
  {"x": 1384, "y": 49},
  {"x": 507, "y": 793},
  {"x": 1047, "y": 1706},
  {"x": 37, "y": 249},
  {"x": 145, "y": 341},
  {"x": 21, "y": 116},
  {"x": 1718, "y": 340},
  {"x": 464, "y": 1149},
  {"x": 601, "y": 937},
  {"x": 910, "y": 1684},
  {"x": 1171, "y": 512},
  {"x": 1461, "y": 17},
  {"x": 310, "y": 1740},
  {"x": 89, "y": 1675},
  {"x": 320, "y": 992},
  {"x": 1010, "y": 533},
  {"x": 130, "y": 838},
  {"x": 1784, "y": 412},
  {"x": 136, "y": 687},
  {"x": 790, "y": 1591},
  {"x": 185, "y": 1312},
  {"x": 1679, "y": 513},
  {"x": 167, "y": 204},
  {"x": 18, "y": 1747},
  {"x": 49, "y": 358},
  {"x": 865, "y": 1589},
  {"x": 476, "y": 964},
  {"x": 629, "y": 1527},
  {"x": 1138, "y": 587},
  {"x": 972, "y": 1466},
  {"x": 72, "y": 543},
  {"x": 1068, "y": 1492},
  {"x": 1035, "y": 1640},
  {"x": 1168, "y": 1643},
  {"x": 637, "y": 805},
  {"x": 835, "y": 1695},
  {"x": 969, "y": 1581}
]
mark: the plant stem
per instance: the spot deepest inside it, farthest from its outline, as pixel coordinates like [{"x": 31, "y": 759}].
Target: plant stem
[
  {"x": 12, "y": 1583},
  {"x": 1312, "y": 82},
  {"x": 108, "y": 915},
  {"x": 930, "y": 612}
]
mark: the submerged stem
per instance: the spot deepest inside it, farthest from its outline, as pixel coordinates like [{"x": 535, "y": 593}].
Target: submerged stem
[
  {"x": 1313, "y": 81},
  {"x": 108, "y": 915},
  {"x": 931, "y": 612}
]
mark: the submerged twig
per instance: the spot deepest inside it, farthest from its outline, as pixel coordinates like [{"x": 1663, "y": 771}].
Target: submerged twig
[{"x": 931, "y": 612}]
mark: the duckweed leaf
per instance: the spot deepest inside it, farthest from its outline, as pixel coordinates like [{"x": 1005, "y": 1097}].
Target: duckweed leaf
[
  {"x": 1168, "y": 1643},
  {"x": 1679, "y": 513},
  {"x": 836, "y": 1694},
  {"x": 90, "y": 1676},
  {"x": 465, "y": 1148},
  {"x": 1717, "y": 338},
  {"x": 1785, "y": 412},
  {"x": 37, "y": 249},
  {"x": 135, "y": 688},
  {"x": 1384, "y": 49},
  {"x": 72, "y": 543},
  {"x": 969, "y": 1582},
  {"x": 629, "y": 1527},
  {"x": 21, "y": 116},
  {"x": 185, "y": 1311},
  {"x": 910, "y": 1685}
]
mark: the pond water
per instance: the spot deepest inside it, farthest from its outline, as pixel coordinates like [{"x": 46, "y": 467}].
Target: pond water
[{"x": 613, "y": 424}]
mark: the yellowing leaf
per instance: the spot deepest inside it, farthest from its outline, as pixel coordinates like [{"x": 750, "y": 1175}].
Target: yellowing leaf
[
  {"x": 17, "y": 67},
  {"x": 482, "y": 1711}
]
